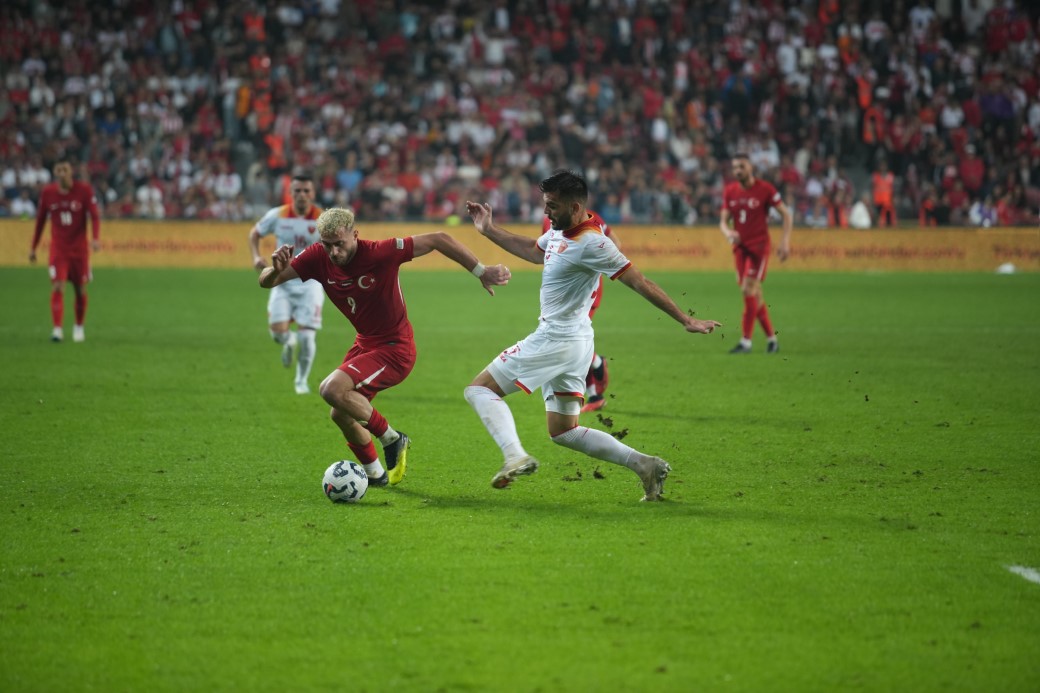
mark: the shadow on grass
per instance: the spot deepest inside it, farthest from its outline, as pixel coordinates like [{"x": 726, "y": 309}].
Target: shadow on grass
[{"x": 497, "y": 502}]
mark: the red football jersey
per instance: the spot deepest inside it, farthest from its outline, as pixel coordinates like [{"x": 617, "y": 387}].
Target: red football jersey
[
  {"x": 68, "y": 214},
  {"x": 367, "y": 290},
  {"x": 749, "y": 209}
]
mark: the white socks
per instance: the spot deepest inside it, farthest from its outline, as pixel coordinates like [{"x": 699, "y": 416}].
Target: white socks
[
  {"x": 497, "y": 418},
  {"x": 600, "y": 445},
  {"x": 283, "y": 338},
  {"x": 305, "y": 356},
  {"x": 373, "y": 470},
  {"x": 390, "y": 437}
]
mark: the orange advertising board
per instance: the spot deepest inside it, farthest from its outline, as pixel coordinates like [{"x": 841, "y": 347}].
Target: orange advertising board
[{"x": 128, "y": 243}]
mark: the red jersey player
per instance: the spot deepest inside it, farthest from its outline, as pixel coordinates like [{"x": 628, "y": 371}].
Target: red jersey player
[
  {"x": 68, "y": 202},
  {"x": 360, "y": 277},
  {"x": 596, "y": 380},
  {"x": 747, "y": 202}
]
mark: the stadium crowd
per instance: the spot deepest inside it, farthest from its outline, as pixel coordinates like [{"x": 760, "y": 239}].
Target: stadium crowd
[{"x": 862, "y": 113}]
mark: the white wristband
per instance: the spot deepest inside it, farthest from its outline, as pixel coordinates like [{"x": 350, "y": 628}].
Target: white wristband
[{"x": 478, "y": 270}]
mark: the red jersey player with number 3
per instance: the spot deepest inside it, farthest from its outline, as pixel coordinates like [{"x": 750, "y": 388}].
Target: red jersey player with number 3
[
  {"x": 747, "y": 202},
  {"x": 67, "y": 202}
]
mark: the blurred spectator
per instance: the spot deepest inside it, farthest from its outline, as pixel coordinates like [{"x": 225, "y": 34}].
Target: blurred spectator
[
  {"x": 971, "y": 171},
  {"x": 883, "y": 185},
  {"x": 816, "y": 216},
  {"x": 150, "y": 200},
  {"x": 443, "y": 99},
  {"x": 859, "y": 215},
  {"x": 983, "y": 213},
  {"x": 23, "y": 206},
  {"x": 227, "y": 184}
]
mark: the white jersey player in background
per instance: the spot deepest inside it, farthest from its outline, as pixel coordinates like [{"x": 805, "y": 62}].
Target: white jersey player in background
[
  {"x": 555, "y": 357},
  {"x": 296, "y": 300}
]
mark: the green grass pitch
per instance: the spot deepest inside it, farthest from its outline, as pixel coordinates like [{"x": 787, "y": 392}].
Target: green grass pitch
[{"x": 842, "y": 516}]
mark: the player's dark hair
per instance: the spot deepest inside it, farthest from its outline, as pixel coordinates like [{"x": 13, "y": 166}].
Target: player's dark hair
[
  {"x": 741, "y": 155},
  {"x": 568, "y": 185},
  {"x": 301, "y": 175}
]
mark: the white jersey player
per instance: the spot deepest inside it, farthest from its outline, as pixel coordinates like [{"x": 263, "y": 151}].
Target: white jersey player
[
  {"x": 556, "y": 356},
  {"x": 293, "y": 301}
]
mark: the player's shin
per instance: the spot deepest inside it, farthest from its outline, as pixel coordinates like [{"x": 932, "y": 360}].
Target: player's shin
[
  {"x": 600, "y": 445},
  {"x": 81, "y": 307},
  {"x": 747, "y": 324},
  {"x": 57, "y": 307},
  {"x": 305, "y": 355},
  {"x": 763, "y": 319},
  {"x": 497, "y": 418}
]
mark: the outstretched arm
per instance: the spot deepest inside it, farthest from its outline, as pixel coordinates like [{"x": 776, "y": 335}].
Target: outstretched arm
[
  {"x": 521, "y": 246},
  {"x": 280, "y": 271},
  {"x": 637, "y": 281},
  {"x": 495, "y": 275}
]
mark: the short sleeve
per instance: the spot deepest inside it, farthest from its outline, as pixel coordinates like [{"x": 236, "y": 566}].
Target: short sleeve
[
  {"x": 774, "y": 196},
  {"x": 396, "y": 250},
  {"x": 266, "y": 225},
  {"x": 307, "y": 263},
  {"x": 602, "y": 256}
]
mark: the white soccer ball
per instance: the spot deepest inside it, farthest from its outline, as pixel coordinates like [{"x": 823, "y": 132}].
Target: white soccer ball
[{"x": 345, "y": 482}]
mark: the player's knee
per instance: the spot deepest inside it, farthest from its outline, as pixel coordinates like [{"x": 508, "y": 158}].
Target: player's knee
[
  {"x": 329, "y": 391},
  {"x": 474, "y": 392}
]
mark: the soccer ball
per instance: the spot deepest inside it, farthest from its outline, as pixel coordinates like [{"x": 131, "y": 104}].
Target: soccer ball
[{"x": 345, "y": 482}]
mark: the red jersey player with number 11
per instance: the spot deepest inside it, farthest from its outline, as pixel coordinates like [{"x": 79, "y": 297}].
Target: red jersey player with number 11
[
  {"x": 68, "y": 202},
  {"x": 747, "y": 202}
]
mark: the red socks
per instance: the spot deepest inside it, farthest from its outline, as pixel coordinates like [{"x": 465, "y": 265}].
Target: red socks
[
  {"x": 57, "y": 307},
  {"x": 366, "y": 454},
  {"x": 377, "y": 425},
  {"x": 747, "y": 323},
  {"x": 763, "y": 318},
  {"x": 81, "y": 307}
]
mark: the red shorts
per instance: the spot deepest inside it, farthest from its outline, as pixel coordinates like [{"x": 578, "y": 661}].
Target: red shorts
[
  {"x": 374, "y": 370},
  {"x": 751, "y": 262},
  {"x": 70, "y": 268}
]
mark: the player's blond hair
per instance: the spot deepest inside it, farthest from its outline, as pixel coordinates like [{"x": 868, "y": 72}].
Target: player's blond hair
[{"x": 331, "y": 220}]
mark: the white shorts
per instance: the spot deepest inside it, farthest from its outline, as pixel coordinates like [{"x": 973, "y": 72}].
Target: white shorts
[
  {"x": 557, "y": 367},
  {"x": 298, "y": 301}
]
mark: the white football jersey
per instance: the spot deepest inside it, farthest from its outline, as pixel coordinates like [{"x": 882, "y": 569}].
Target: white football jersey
[
  {"x": 289, "y": 229},
  {"x": 574, "y": 261}
]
